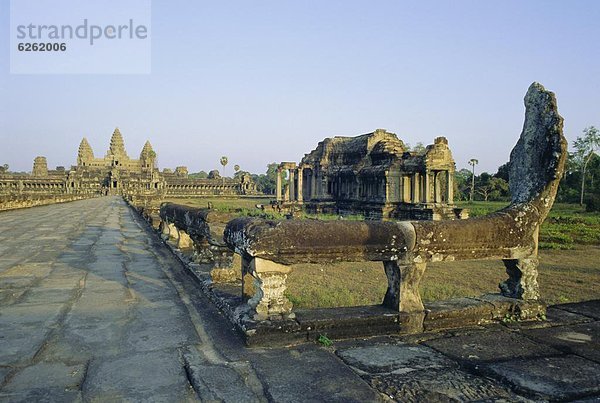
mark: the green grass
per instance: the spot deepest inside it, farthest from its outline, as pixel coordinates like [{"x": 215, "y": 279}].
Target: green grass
[
  {"x": 567, "y": 225},
  {"x": 569, "y": 270}
]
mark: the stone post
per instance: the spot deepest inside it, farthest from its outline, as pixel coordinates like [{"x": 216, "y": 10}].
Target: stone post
[
  {"x": 300, "y": 187},
  {"x": 312, "y": 184},
  {"x": 522, "y": 279},
  {"x": 184, "y": 241},
  {"x": 173, "y": 232},
  {"x": 278, "y": 187},
  {"x": 416, "y": 186},
  {"x": 403, "y": 286},
  {"x": 164, "y": 229},
  {"x": 427, "y": 187},
  {"x": 437, "y": 187},
  {"x": 450, "y": 185},
  {"x": 269, "y": 287},
  {"x": 291, "y": 186}
]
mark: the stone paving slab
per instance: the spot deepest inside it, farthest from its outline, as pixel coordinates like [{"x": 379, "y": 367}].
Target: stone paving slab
[
  {"x": 582, "y": 339},
  {"x": 587, "y": 308},
  {"x": 153, "y": 375},
  {"x": 98, "y": 309},
  {"x": 394, "y": 358},
  {"x": 556, "y": 378},
  {"x": 309, "y": 373},
  {"x": 485, "y": 346},
  {"x": 442, "y": 385},
  {"x": 54, "y": 381}
]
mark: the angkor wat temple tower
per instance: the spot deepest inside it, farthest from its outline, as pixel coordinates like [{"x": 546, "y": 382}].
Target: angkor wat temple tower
[
  {"x": 118, "y": 174},
  {"x": 116, "y": 155}
]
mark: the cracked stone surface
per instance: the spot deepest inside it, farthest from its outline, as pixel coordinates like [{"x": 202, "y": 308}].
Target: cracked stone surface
[
  {"x": 93, "y": 307},
  {"x": 556, "y": 378}
]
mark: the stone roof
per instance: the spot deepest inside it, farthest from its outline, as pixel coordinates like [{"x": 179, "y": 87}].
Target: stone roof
[
  {"x": 85, "y": 150},
  {"x": 117, "y": 145},
  {"x": 147, "y": 151}
]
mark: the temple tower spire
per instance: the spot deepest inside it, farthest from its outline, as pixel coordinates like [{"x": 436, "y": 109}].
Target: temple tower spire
[
  {"x": 117, "y": 145},
  {"x": 85, "y": 154}
]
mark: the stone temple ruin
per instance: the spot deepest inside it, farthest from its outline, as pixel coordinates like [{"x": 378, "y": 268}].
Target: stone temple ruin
[
  {"x": 375, "y": 175},
  {"x": 115, "y": 174},
  {"x": 269, "y": 248}
]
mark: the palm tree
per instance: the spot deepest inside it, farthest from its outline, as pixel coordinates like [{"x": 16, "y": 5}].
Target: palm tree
[
  {"x": 472, "y": 162},
  {"x": 224, "y": 161}
]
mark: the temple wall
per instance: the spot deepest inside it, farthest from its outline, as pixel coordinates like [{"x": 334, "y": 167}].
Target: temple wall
[{"x": 12, "y": 202}]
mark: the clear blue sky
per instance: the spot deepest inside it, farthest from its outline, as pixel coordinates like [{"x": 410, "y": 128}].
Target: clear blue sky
[{"x": 263, "y": 81}]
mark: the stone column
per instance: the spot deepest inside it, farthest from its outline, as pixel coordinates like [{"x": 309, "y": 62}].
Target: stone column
[
  {"x": 313, "y": 184},
  {"x": 403, "y": 286},
  {"x": 427, "y": 187},
  {"x": 269, "y": 286},
  {"x": 416, "y": 183},
  {"x": 164, "y": 229},
  {"x": 184, "y": 241},
  {"x": 300, "y": 187},
  {"x": 450, "y": 185},
  {"x": 437, "y": 187},
  {"x": 173, "y": 232},
  {"x": 278, "y": 187},
  {"x": 522, "y": 278},
  {"x": 291, "y": 186}
]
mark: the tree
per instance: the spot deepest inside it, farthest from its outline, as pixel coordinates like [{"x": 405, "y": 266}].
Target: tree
[
  {"x": 4, "y": 168},
  {"x": 473, "y": 162},
  {"x": 224, "y": 161},
  {"x": 492, "y": 188},
  {"x": 236, "y": 167},
  {"x": 585, "y": 149},
  {"x": 266, "y": 183},
  {"x": 240, "y": 173},
  {"x": 461, "y": 184},
  {"x": 419, "y": 148},
  {"x": 503, "y": 171}
]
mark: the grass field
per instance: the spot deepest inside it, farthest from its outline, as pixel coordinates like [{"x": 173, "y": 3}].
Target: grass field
[
  {"x": 567, "y": 225},
  {"x": 569, "y": 270}
]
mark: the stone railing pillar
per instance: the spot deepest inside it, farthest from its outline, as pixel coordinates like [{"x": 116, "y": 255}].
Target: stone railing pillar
[
  {"x": 403, "y": 286},
  {"x": 184, "y": 241},
  {"x": 269, "y": 287},
  {"x": 522, "y": 278},
  {"x": 173, "y": 232}
]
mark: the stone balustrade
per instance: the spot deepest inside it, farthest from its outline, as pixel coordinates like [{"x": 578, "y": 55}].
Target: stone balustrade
[
  {"x": 201, "y": 230},
  {"x": 268, "y": 248}
]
